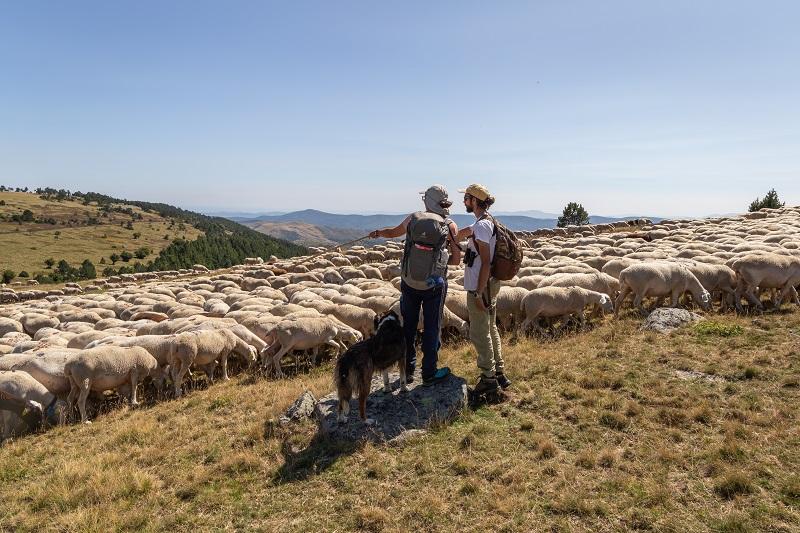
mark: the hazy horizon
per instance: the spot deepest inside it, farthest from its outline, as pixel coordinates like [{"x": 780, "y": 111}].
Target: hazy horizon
[{"x": 625, "y": 107}]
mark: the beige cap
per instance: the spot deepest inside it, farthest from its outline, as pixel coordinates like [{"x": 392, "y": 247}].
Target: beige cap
[{"x": 477, "y": 190}]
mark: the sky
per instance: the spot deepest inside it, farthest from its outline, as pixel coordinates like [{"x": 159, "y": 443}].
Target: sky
[{"x": 628, "y": 107}]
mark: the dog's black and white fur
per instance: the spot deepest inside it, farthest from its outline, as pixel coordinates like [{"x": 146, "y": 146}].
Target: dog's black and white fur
[{"x": 354, "y": 368}]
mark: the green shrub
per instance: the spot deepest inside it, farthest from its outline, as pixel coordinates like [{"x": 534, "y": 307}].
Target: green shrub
[
  {"x": 8, "y": 275},
  {"x": 717, "y": 329}
]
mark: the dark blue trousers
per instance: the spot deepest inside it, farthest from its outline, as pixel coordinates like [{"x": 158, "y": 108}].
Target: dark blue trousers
[{"x": 431, "y": 301}]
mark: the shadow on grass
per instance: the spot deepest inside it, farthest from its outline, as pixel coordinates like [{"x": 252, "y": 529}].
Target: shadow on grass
[{"x": 302, "y": 462}]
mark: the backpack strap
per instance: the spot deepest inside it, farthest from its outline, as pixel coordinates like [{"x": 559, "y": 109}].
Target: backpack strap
[{"x": 494, "y": 225}]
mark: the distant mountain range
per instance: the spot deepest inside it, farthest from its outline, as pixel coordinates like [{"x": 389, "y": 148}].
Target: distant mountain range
[{"x": 312, "y": 227}]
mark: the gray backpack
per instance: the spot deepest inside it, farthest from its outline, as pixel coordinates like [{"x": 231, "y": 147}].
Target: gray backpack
[{"x": 426, "y": 253}]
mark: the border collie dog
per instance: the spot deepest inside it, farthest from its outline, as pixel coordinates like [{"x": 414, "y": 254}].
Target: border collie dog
[{"x": 354, "y": 368}]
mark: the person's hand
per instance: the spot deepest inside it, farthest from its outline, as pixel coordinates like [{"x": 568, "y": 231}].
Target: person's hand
[
  {"x": 479, "y": 303},
  {"x": 374, "y": 234}
]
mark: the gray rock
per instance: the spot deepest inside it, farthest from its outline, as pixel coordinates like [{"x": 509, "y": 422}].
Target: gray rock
[
  {"x": 666, "y": 319},
  {"x": 395, "y": 413},
  {"x": 303, "y": 407}
]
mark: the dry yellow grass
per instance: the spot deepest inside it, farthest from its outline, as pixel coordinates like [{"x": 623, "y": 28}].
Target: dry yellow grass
[
  {"x": 604, "y": 432},
  {"x": 26, "y": 246}
]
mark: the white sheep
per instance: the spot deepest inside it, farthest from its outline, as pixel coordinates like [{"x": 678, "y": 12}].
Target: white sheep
[
  {"x": 657, "y": 279},
  {"x": 106, "y": 368},
  {"x": 560, "y": 302}
]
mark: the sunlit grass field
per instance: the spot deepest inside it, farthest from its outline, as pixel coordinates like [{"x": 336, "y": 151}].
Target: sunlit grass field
[
  {"x": 612, "y": 429},
  {"x": 25, "y": 246}
]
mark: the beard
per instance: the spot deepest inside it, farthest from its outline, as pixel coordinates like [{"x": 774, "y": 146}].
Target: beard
[{"x": 469, "y": 209}]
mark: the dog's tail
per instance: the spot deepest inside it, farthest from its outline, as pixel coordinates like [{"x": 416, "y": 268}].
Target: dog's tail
[{"x": 341, "y": 370}]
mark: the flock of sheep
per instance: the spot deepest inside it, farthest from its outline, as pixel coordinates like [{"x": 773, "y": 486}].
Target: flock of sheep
[{"x": 60, "y": 348}]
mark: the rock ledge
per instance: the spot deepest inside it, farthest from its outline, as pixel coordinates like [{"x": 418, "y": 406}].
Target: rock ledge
[{"x": 397, "y": 415}]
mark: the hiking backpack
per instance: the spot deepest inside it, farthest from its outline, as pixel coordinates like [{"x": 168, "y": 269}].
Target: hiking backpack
[
  {"x": 507, "y": 258},
  {"x": 425, "y": 254}
]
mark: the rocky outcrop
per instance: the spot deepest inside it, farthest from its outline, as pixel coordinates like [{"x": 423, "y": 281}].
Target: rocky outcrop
[
  {"x": 666, "y": 319},
  {"x": 397, "y": 415}
]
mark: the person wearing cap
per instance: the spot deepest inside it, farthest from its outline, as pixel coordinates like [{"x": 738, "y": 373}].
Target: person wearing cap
[
  {"x": 482, "y": 289},
  {"x": 429, "y": 295}
]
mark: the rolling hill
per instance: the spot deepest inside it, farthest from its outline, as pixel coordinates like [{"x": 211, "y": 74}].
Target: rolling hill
[
  {"x": 310, "y": 227},
  {"x": 50, "y": 224}
]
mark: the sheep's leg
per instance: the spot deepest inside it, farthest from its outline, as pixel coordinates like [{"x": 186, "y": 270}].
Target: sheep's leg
[
  {"x": 623, "y": 294},
  {"x": 179, "y": 377},
  {"x": 224, "y": 362},
  {"x": 276, "y": 360},
  {"x": 265, "y": 355},
  {"x": 674, "y": 296},
  {"x": 134, "y": 385},
  {"x": 523, "y": 328},
  {"x": 753, "y": 299},
  {"x": 637, "y": 303},
  {"x": 73, "y": 394},
  {"x": 737, "y": 294},
  {"x": 84, "y": 393},
  {"x": 335, "y": 345},
  {"x": 581, "y": 320}
]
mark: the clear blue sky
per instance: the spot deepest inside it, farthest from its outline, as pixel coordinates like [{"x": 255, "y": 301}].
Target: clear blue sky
[{"x": 647, "y": 107}]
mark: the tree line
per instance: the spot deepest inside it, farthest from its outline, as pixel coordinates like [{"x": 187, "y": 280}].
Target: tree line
[{"x": 224, "y": 243}]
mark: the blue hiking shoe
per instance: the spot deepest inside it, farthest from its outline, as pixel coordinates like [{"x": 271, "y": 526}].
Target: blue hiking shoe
[{"x": 438, "y": 376}]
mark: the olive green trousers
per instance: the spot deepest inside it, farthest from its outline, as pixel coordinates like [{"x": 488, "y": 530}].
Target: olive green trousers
[{"x": 483, "y": 332}]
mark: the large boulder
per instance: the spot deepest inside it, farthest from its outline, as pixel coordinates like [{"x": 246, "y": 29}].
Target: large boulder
[
  {"x": 666, "y": 319},
  {"x": 395, "y": 413}
]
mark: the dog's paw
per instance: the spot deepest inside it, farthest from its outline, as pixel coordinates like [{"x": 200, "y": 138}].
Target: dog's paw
[{"x": 369, "y": 422}]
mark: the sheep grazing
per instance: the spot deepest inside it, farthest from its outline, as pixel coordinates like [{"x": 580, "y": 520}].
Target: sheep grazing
[
  {"x": 46, "y": 366},
  {"x": 560, "y": 303},
  {"x": 509, "y": 306},
  {"x": 307, "y": 304},
  {"x": 597, "y": 281},
  {"x": 106, "y": 368},
  {"x": 306, "y": 334},
  {"x": 660, "y": 279},
  {"x": 766, "y": 271},
  {"x": 25, "y": 404}
]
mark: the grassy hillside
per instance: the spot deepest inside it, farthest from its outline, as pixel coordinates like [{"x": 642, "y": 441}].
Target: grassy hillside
[
  {"x": 75, "y": 227},
  {"x": 305, "y": 233},
  {"x": 614, "y": 429},
  {"x": 26, "y": 245}
]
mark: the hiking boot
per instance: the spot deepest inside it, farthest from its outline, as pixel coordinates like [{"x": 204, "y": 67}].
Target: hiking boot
[
  {"x": 502, "y": 380},
  {"x": 485, "y": 385},
  {"x": 438, "y": 376}
]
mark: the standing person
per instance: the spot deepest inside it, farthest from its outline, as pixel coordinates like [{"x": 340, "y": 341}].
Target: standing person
[
  {"x": 430, "y": 246},
  {"x": 482, "y": 289}
]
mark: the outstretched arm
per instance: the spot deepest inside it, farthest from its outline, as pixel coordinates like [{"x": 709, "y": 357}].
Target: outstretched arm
[{"x": 390, "y": 233}]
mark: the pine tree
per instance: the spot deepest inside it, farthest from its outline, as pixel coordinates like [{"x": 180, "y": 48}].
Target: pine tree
[
  {"x": 770, "y": 201},
  {"x": 573, "y": 215}
]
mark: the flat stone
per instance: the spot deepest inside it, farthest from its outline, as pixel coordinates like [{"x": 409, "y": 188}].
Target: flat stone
[
  {"x": 303, "y": 407},
  {"x": 694, "y": 374},
  {"x": 666, "y": 319},
  {"x": 395, "y": 413}
]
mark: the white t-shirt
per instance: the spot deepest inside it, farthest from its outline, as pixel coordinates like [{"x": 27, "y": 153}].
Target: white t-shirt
[{"x": 482, "y": 231}]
